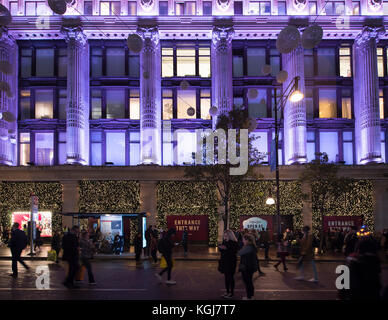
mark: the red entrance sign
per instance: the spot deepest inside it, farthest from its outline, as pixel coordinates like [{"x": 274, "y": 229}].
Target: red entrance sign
[
  {"x": 331, "y": 223},
  {"x": 197, "y": 226}
]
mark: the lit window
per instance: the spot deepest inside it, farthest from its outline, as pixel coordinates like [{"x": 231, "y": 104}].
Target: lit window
[
  {"x": 185, "y": 8},
  {"x": 62, "y": 148},
  {"x": 62, "y": 94},
  {"x": 380, "y": 62},
  {"x": 132, "y": 8},
  {"x": 44, "y": 62},
  {"x": 115, "y": 148},
  {"x": 345, "y": 62},
  {"x": 346, "y": 104},
  {"x": 134, "y": 104},
  {"x": 134, "y": 148},
  {"x": 257, "y": 108},
  {"x": 96, "y": 148},
  {"x": 205, "y": 104},
  {"x": 185, "y": 62},
  {"x": 96, "y": 104},
  {"x": 328, "y": 143},
  {"x": 115, "y": 62},
  {"x": 204, "y": 62},
  {"x": 348, "y": 147},
  {"x": 335, "y": 8},
  {"x": 256, "y": 61},
  {"x": 44, "y": 149},
  {"x": 383, "y": 146},
  {"x": 25, "y": 104},
  {"x": 327, "y": 103},
  {"x": 312, "y": 8},
  {"x": 167, "y": 62},
  {"x": 110, "y": 8},
  {"x": 260, "y": 7},
  {"x": 30, "y": 9},
  {"x": 168, "y": 150},
  {"x": 385, "y": 8},
  {"x": 381, "y": 103},
  {"x": 186, "y": 99},
  {"x": 356, "y": 8},
  {"x": 310, "y": 146},
  {"x": 24, "y": 149},
  {"x": 167, "y": 101},
  {"x": 282, "y": 8},
  {"x": 115, "y": 104},
  {"x": 261, "y": 144},
  {"x": 43, "y": 104},
  {"x": 326, "y": 62},
  {"x": 186, "y": 146},
  {"x": 13, "y": 8}
]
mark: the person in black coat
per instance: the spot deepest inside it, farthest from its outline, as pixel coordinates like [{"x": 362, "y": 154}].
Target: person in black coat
[
  {"x": 56, "y": 244},
  {"x": 248, "y": 264},
  {"x": 17, "y": 243},
  {"x": 70, "y": 246},
  {"x": 165, "y": 247},
  {"x": 228, "y": 261},
  {"x": 138, "y": 243}
]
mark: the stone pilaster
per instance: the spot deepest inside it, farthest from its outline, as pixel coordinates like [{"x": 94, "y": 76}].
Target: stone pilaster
[
  {"x": 380, "y": 204},
  {"x": 150, "y": 97},
  {"x": 294, "y": 112},
  {"x": 70, "y": 199},
  {"x": 77, "y": 110},
  {"x": 148, "y": 201},
  {"x": 307, "y": 210},
  {"x": 366, "y": 96},
  {"x": 8, "y": 99},
  {"x": 222, "y": 73}
]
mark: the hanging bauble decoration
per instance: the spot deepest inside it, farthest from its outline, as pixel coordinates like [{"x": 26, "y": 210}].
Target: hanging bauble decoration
[
  {"x": 190, "y": 111},
  {"x": 213, "y": 111},
  {"x": 58, "y": 6},
  {"x": 5, "y": 67},
  {"x": 288, "y": 39},
  {"x": 252, "y": 93},
  {"x": 135, "y": 43},
  {"x": 282, "y": 76},
  {"x": 5, "y": 16},
  {"x": 184, "y": 85},
  {"x": 312, "y": 36},
  {"x": 266, "y": 69}
]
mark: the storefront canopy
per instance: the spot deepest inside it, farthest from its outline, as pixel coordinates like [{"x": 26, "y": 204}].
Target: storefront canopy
[{"x": 86, "y": 215}]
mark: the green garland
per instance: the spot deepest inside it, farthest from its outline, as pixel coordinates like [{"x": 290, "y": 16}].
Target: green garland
[
  {"x": 110, "y": 196},
  {"x": 248, "y": 198},
  {"x": 15, "y": 196},
  {"x": 358, "y": 201},
  {"x": 188, "y": 198}
]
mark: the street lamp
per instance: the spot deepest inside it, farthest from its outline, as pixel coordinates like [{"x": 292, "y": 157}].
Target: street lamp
[{"x": 292, "y": 93}]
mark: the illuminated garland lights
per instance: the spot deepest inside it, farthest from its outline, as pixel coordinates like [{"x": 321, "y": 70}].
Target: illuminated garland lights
[
  {"x": 248, "y": 198},
  {"x": 358, "y": 201},
  {"x": 188, "y": 198},
  {"x": 15, "y": 196},
  {"x": 110, "y": 196}
]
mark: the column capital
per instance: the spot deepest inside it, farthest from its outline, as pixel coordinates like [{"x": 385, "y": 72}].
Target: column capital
[
  {"x": 150, "y": 36},
  {"x": 222, "y": 36},
  {"x": 75, "y": 34},
  {"x": 5, "y": 38},
  {"x": 369, "y": 33}
]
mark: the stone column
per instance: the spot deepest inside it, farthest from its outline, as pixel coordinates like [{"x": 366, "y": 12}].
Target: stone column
[
  {"x": 70, "y": 199},
  {"x": 148, "y": 201},
  {"x": 294, "y": 112},
  {"x": 380, "y": 201},
  {"x": 150, "y": 97},
  {"x": 8, "y": 99},
  {"x": 222, "y": 72},
  {"x": 77, "y": 110},
  {"x": 366, "y": 96}
]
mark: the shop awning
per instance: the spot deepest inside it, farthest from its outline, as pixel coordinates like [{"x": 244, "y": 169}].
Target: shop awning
[{"x": 81, "y": 215}]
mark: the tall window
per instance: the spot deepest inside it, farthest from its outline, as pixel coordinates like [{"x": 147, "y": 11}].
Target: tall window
[
  {"x": 238, "y": 63},
  {"x": 256, "y": 61},
  {"x": 96, "y": 101},
  {"x": 347, "y": 138},
  {"x": 167, "y": 102},
  {"x": 257, "y": 107},
  {"x": 44, "y": 149},
  {"x": 62, "y": 94},
  {"x": 134, "y": 104},
  {"x": 167, "y": 62},
  {"x": 383, "y": 146},
  {"x": 96, "y": 148},
  {"x": 132, "y": 8},
  {"x": 36, "y": 8},
  {"x": 44, "y": 62},
  {"x": 13, "y": 8},
  {"x": 134, "y": 148},
  {"x": 110, "y": 8},
  {"x": 308, "y": 63},
  {"x": 309, "y": 99},
  {"x": 381, "y": 103},
  {"x": 24, "y": 148},
  {"x": 328, "y": 143},
  {"x": 282, "y": 8},
  {"x": 274, "y": 58},
  {"x": 310, "y": 146},
  {"x": 335, "y": 8},
  {"x": 205, "y": 103},
  {"x": 185, "y": 62},
  {"x": 327, "y": 103},
  {"x": 61, "y": 147},
  {"x": 186, "y": 99},
  {"x": 115, "y": 148},
  {"x": 25, "y": 104},
  {"x": 326, "y": 62},
  {"x": 356, "y": 8},
  {"x": 312, "y": 7},
  {"x": 260, "y": 7},
  {"x": 44, "y": 104},
  {"x": 346, "y": 103},
  {"x": 185, "y": 8},
  {"x": 115, "y": 62},
  {"x": 115, "y": 104},
  {"x": 380, "y": 62},
  {"x": 345, "y": 62}
]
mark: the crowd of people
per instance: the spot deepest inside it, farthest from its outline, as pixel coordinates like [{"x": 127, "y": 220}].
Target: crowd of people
[{"x": 361, "y": 254}]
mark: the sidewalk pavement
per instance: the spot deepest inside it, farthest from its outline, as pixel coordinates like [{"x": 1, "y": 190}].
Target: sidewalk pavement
[{"x": 195, "y": 253}]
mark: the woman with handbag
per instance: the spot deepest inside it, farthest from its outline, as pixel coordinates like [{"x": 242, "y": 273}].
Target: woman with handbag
[
  {"x": 228, "y": 262},
  {"x": 248, "y": 264},
  {"x": 282, "y": 253}
]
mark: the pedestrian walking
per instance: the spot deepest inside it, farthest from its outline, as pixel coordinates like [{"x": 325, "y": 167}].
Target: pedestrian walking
[
  {"x": 307, "y": 255},
  {"x": 350, "y": 241},
  {"x": 87, "y": 249},
  {"x": 154, "y": 246},
  {"x": 185, "y": 239},
  {"x": 56, "y": 244},
  {"x": 165, "y": 246},
  {"x": 264, "y": 240},
  {"x": 257, "y": 238},
  {"x": 147, "y": 249},
  {"x": 138, "y": 243},
  {"x": 248, "y": 264},
  {"x": 17, "y": 243},
  {"x": 70, "y": 246},
  {"x": 38, "y": 239},
  {"x": 282, "y": 252},
  {"x": 228, "y": 262}
]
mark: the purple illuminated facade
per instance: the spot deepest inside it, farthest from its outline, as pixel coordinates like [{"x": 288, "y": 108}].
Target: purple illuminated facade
[{"x": 80, "y": 96}]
